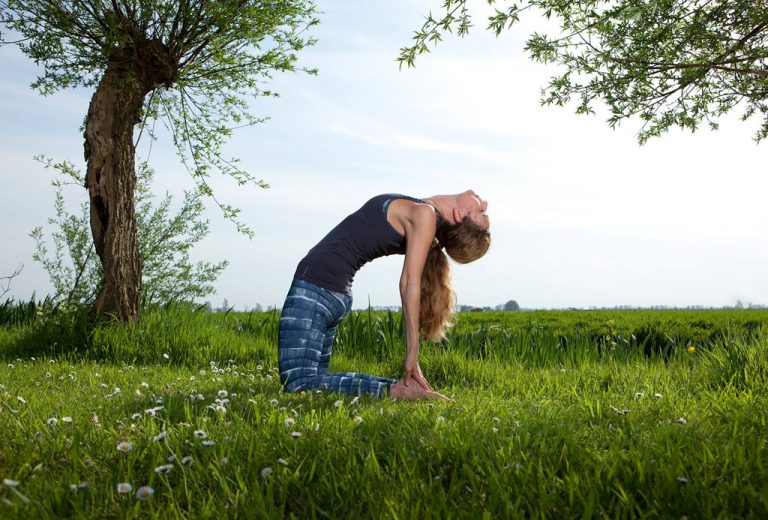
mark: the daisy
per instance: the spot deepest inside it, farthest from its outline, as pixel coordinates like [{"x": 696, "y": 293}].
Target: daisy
[
  {"x": 354, "y": 401},
  {"x": 160, "y": 436},
  {"x": 21, "y": 400},
  {"x": 358, "y": 420},
  {"x": 165, "y": 468},
  {"x": 208, "y": 442},
  {"x": 125, "y": 447},
  {"x": 222, "y": 394},
  {"x": 283, "y": 462},
  {"x": 11, "y": 483},
  {"x": 52, "y": 421},
  {"x": 338, "y": 403},
  {"x": 144, "y": 493},
  {"x": 200, "y": 434},
  {"x": 66, "y": 419},
  {"x": 124, "y": 488},
  {"x": 187, "y": 460},
  {"x": 289, "y": 422},
  {"x": 266, "y": 471},
  {"x": 295, "y": 435},
  {"x": 166, "y": 356}
]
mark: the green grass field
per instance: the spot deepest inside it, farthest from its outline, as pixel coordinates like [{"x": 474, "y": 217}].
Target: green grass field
[{"x": 573, "y": 414}]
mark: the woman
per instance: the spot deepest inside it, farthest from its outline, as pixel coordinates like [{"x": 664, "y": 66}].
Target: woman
[{"x": 321, "y": 296}]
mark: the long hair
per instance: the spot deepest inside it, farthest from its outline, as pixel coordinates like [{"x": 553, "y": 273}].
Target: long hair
[{"x": 463, "y": 242}]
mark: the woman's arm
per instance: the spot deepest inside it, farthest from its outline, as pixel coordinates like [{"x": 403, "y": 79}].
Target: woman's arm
[{"x": 419, "y": 225}]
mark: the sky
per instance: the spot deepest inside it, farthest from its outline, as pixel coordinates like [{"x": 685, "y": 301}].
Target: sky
[{"x": 581, "y": 214}]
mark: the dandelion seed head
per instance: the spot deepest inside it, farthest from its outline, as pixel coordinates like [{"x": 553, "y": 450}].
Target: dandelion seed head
[
  {"x": 290, "y": 422},
  {"x": 222, "y": 394}
]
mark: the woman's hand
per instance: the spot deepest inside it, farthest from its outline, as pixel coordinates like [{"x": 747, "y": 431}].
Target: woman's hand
[{"x": 412, "y": 370}]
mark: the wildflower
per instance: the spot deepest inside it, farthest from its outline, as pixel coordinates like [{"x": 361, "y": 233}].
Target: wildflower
[
  {"x": 165, "y": 468},
  {"x": 224, "y": 461},
  {"x": 144, "y": 385},
  {"x": 124, "y": 488},
  {"x": 66, "y": 419},
  {"x": 657, "y": 396},
  {"x": 440, "y": 419},
  {"x": 495, "y": 430},
  {"x": 295, "y": 435},
  {"x": 338, "y": 403},
  {"x": 187, "y": 460},
  {"x": 125, "y": 447},
  {"x": 10, "y": 365},
  {"x": 283, "y": 462},
  {"x": 266, "y": 471},
  {"x": 202, "y": 372},
  {"x": 52, "y": 421},
  {"x": 208, "y": 442},
  {"x": 200, "y": 434},
  {"x": 682, "y": 480},
  {"x": 73, "y": 487},
  {"x": 358, "y": 420},
  {"x": 37, "y": 435},
  {"x": 496, "y": 420},
  {"x": 354, "y": 401},
  {"x": 691, "y": 348},
  {"x": 166, "y": 356},
  {"x": 289, "y": 422},
  {"x": 160, "y": 436},
  {"x": 136, "y": 416},
  {"x": 144, "y": 493},
  {"x": 11, "y": 483},
  {"x": 171, "y": 458},
  {"x": 21, "y": 400},
  {"x": 222, "y": 394},
  {"x": 191, "y": 378},
  {"x": 639, "y": 394},
  {"x": 273, "y": 402},
  {"x": 682, "y": 420}
]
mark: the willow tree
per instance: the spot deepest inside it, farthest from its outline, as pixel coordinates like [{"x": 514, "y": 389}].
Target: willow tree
[
  {"x": 668, "y": 62},
  {"x": 193, "y": 65}
]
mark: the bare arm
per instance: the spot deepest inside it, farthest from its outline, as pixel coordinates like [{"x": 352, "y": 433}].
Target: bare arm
[{"x": 419, "y": 225}]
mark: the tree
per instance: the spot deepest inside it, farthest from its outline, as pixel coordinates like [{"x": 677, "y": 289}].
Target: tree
[
  {"x": 5, "y": 281},
  {"x": 511, "y": 305},
  {"x": 188, "y": 64},
  {"x": 668, "y": 62},
  {"x": 164, "y": 243}
]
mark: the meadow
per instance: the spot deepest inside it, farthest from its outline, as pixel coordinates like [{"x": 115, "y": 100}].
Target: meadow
[{"x": 557, "y": 414}]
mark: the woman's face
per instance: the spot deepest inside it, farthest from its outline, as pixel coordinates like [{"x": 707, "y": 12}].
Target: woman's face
[{"x": 471, "y": 205}]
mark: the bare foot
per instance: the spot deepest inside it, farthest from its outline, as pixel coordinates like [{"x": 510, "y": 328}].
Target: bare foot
[{"x": 413, "y": 391}]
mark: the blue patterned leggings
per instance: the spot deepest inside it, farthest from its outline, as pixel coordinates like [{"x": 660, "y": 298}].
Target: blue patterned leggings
[{"x": 305, "y": 339}]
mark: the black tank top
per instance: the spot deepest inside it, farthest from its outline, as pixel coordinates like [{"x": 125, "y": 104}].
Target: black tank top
[{"x": 362, "y": 236}]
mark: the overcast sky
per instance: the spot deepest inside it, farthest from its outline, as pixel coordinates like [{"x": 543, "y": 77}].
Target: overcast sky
[{"x": 581, "y": 215}]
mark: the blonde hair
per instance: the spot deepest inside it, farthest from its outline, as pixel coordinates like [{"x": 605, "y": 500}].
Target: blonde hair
[{"x": 463, "y": 242}]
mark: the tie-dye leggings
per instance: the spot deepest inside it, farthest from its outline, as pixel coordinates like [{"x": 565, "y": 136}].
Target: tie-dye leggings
[{"x": 305, "y": 339}]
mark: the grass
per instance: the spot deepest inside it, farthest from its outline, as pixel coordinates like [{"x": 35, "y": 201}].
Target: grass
[{"x": 557, "y": 415}]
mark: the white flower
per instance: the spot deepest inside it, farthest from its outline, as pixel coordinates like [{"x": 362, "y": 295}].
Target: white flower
[
  {"x": 144, "y": 493},
  {"x": 160, "y": 436},
  {"x": 224, "y": 461},
  {"x": 52, "y": 421},
  {"x": 165, "y": 468},
  {"x": 295, "y": 435},
  {"x": 200, "y": 434},
  {"x": 66, "y": 419},
  {"x": 144, "y": 385},
  {"x": 440, "y": 419},
  {"x": 639, "y": 394},
  {"x": 21, "y": 400},
  {"x": 11, "y": 483},
  {"x": 191, "y": 378},
  {"x": 657, "y": 396},
  {"x": 354, "y": 401},
  {"x": 682, "y": 480},
  {"x": 73, "y": 487},
  {"x": 166, "y": 356},
  {"x": 682, "y": 420},
  {"x": 222, "y": 394},
  {"x": 187, "y": 460},
  {"x": 202, "y": 372},
  {"x": 358, "y": 420},
  {"x": 124, "y": 488},
  {"x": 208, "y": 442},
  {"x": 289, "y": 422},
  {"x": 496, "y": 420},
  {"x": 273, "y": 402},
  {"x": 10, "y": 365},
  {"x": 266, "y": 471},
  {"x": 338, "y": 403},
  {"x": 171, "y": 458},
  {"x": 125, "y": 447},
  {"x": 283, "y": 462},
  {"x": 136, "y": 416}
]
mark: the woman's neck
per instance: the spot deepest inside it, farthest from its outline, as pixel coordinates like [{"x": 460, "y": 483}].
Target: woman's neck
[{"x": 444, "y": 205}]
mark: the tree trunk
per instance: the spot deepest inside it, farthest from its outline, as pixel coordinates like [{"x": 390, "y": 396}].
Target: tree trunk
[{"x": 110, "y": 179}]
